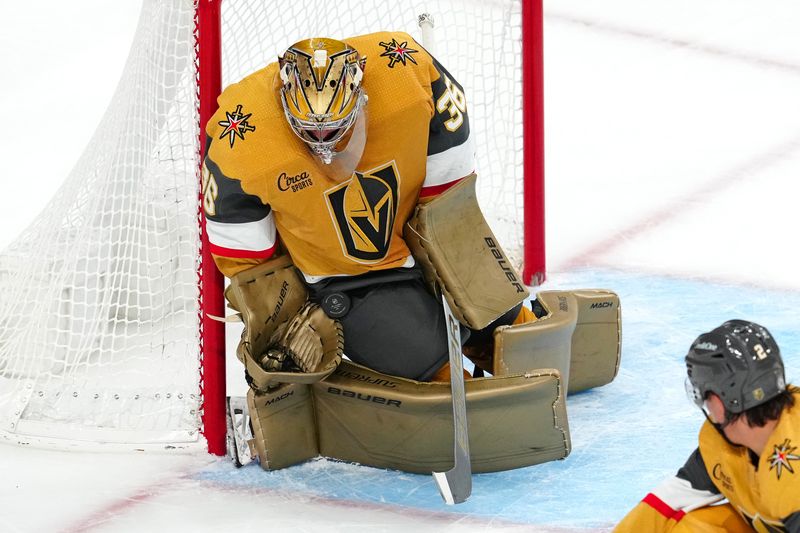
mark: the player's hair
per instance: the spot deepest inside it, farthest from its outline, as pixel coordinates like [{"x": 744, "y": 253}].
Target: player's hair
[{"x": 759, "y": 415}]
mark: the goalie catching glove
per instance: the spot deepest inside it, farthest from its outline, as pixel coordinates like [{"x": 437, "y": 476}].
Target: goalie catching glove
[
  {"x": 296, "y": 345},
  {"x": 285, "y": 339},
  {"x": 304, "y": 349}
]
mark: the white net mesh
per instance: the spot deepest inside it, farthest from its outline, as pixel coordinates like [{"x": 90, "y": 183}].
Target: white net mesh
[
  {"x": 99, "y": 323},
  {"x": 98, "y": 297}
]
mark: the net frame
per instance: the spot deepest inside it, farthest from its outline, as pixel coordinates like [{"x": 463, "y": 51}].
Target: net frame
[{"x": 213, "y": 54}]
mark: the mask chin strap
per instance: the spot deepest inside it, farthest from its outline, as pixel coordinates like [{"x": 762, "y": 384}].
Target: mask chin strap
[{"x": 719, "y": 427}]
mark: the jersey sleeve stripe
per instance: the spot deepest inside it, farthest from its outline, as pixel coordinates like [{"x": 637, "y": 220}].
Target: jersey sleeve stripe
[
  {"x": 436, "y": 189},
  {"x": 243, "y": 238},
  {"x": 663, "y": 509},
  {"x": 242, "y": 254},
  {"x": 676, "y": 495},
  {"x": 451, "y": 165}
]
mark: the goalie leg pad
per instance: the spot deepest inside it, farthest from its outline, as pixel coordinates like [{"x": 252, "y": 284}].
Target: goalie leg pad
[
  {"x": 597, "y": 340},
  {"x": 284, "y": 426},
  {"x": 384, "y": 421},
  {"x": 543, "y": 343},
  {"x": 458, "y": 252}
]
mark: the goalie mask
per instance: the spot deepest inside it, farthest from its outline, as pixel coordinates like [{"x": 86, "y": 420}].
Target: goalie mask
[{"x": 322, "y": 95}]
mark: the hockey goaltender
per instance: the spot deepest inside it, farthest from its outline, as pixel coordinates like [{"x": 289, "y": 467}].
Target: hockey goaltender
[{"x": 340, "y": 201}]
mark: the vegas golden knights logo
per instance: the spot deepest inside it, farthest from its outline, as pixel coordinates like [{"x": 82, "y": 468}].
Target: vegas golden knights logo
[{"x": 363, "y": 210}]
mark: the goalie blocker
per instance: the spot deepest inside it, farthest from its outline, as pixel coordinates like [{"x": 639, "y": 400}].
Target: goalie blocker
[
  {"x": 516, "y": 418},
  {"x": 577, "y": 333}
]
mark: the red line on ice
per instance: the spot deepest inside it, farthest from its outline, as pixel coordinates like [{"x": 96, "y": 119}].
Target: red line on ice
[
  {"x": 747, "y": 170},
  {"x": 104, "y": 516},
  {"x": 674, "y": 42},
  {"x": 100, "y": 517}
]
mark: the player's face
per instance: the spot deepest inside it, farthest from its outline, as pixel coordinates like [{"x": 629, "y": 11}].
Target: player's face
[
  {"x": 715, "y": 409},
  {"x": 317, "y": 134},
  {"x": 327, "y": 139}
]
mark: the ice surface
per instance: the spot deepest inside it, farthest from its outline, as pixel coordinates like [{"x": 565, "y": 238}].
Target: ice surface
[{"x": 673, "y": 155}]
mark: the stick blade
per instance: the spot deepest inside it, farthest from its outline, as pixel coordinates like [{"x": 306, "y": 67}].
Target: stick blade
[{"x": 455, "y": 485}]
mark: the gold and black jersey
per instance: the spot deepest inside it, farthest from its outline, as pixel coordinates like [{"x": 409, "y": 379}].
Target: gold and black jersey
[
  {"x": 764, "y": 491},
  {"x": 261, "y": 182}
]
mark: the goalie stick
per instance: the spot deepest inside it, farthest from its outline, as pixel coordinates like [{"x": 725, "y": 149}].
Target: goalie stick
[{"x": 455, "y": 485}]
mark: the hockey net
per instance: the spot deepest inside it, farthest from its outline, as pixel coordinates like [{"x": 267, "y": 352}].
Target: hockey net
[{"x": 103, "y": 326}]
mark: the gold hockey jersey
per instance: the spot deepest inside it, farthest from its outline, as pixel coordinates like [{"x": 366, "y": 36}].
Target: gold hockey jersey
[
  {"x": 766, "y": 496},
  {"x": 261, "y": 183}
]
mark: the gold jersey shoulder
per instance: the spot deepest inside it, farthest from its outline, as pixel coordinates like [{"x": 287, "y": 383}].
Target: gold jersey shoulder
[
  {"x": 315, "y": 213},
  {"x": 779, "y": 466},
  {"x": 393, "y": 50},
  {"x": 770, "y": 492}
]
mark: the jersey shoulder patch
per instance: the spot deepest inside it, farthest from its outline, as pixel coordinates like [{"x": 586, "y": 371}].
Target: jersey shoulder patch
[
  {"x": 393, "y": 50},
  {"x": 248, "y": 135},
  {"x": 779, "y": 468}
]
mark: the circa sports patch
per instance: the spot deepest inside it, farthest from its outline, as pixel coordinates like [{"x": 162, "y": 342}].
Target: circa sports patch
[
  {"x": 782, "y": 456},
  {"x": 398, "y": 52},
  {"x": 235, "y": 125}
]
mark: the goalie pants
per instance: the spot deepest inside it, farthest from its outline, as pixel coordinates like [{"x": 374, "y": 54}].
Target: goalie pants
[{"x": 393, "y": 324}]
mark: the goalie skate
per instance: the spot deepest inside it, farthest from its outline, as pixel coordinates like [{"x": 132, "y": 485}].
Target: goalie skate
[{"x": 239, "y": 432}]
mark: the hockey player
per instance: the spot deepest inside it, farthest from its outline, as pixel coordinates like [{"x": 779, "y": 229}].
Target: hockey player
[
  {"x": 325, "y": 158},
  {"x": 748, "y": 452}
]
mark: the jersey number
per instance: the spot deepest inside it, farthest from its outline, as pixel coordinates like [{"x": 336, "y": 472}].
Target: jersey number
[
  {"x": 454, "y": 102},
  {"x": 210, "y": 192}
]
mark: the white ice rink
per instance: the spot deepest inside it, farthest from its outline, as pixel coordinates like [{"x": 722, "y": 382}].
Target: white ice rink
[{"x": 673, "y": 175}]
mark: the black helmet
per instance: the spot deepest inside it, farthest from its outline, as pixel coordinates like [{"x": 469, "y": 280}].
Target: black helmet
[{"x": 739, "y": 361}]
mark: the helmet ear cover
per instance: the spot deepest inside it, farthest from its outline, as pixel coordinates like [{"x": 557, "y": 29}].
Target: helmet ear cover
[{"x": 740, "y": 362}]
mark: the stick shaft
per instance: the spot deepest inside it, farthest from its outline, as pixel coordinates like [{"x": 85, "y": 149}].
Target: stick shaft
[{"x": 455, "y": 485}]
